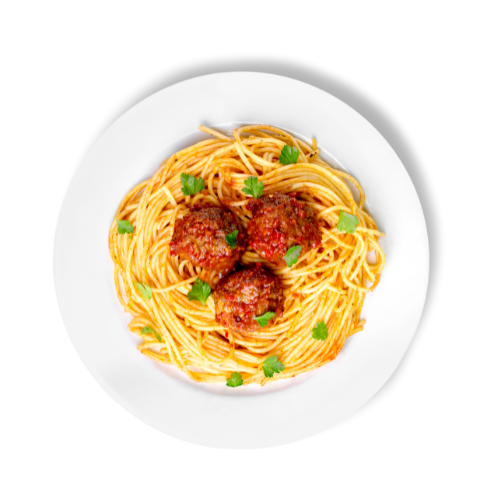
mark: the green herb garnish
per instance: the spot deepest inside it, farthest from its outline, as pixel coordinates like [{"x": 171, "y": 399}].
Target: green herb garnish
[
  {"x": 264, "y": 319},
  {"x": 292, "y": 255},
  {"x": 125, "y": 226},
  {"x": 271, "y": 366},
  {"x": 191, "y": 184},
  {"x": 289, "y": 155},
  {"x": 319, "y": 332},
  {"x": 347, "y": 222},
  {"x": 200, "y": 291},
  {"x": 235, "y": 380},
  {"x": 231, "y": 239},
  {"x": 253, "y": 187},
  {"x": 145, "y": 291},
  {"x": 148, "y": 329}
]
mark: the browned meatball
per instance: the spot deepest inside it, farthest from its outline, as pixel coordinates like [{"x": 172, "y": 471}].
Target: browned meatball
[
  {"x": 280, "y": 222},
  {"x": 246, "y": 294},
  {"x": 200, "y": 236}
]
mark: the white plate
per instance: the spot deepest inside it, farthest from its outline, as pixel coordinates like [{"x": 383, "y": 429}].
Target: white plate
[{"x": 215, "y": 415}]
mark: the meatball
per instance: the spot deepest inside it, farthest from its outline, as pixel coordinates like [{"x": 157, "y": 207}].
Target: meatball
[
  {"x": 200, "y": 236},
  {"x": 246, "y": 294},
  {"x": 280, "y": 222}
]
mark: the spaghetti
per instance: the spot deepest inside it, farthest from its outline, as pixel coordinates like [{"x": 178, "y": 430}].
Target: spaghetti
[{"x": 328, "y": 283}]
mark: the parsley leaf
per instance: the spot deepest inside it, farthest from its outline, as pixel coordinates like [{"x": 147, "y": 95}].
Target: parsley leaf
[
  {"x": 144, "y": 290},
  {"x": 292, "y": 255},
  {"x": 264, "y": 319},
  {"x": 271, "y": 366},
  {"x": 319, "y": 332},
  {"x": 254, "y": 187},
  {"x": 191, "y": 184},
  {"x": 347, "y": 222},
  {"x": 148, "y": 329},
  {"x": 200, "y": 291},
  {"x": 235, "y": 380},
  {"x": 231, "y": 239},
  {"x": 125, "y": 226},
  {"x": 289, "y": 155}
]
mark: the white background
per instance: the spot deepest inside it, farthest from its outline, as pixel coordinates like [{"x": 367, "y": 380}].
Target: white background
[{"x": 426, "y": 74}]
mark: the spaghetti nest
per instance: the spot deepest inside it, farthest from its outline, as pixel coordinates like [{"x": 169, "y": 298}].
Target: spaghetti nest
[{"x": 328, "y": 283}]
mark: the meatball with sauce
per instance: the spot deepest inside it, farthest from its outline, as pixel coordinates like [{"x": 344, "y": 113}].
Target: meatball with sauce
[
  {"x": 200, "y": 236},
  {"x": 246, "y": 294},
  {"x": 280, "y": 222}
]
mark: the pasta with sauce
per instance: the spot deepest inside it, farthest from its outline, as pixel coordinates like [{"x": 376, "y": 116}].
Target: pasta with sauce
[{"x": 245, "y": 259}]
